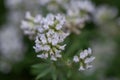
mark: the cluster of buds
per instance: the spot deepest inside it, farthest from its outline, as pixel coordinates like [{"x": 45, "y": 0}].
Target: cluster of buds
[
  {"x": 77, "y": 13},
  {"x": 50, "y": 36},
  {"x": 48, "y": 33},
  {"x": 85, "y": 59},
  {"x": 53, "y": 5},
  {"x": 30, "y": 24}
]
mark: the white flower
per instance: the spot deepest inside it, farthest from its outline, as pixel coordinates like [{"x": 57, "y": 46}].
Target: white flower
[
  {"x": 50, "y": 35},
  {"x": 89, "y": 51},
  {"x": 37, "y": 18},
  {"x": 89, "y": 66},
  {"x": 29, "y": 25},
  {"x": 53, "y": 58},
  {"x": 81, "y": 68},
  {"x": 28, "y": 15},
  {"x": 83, "y": 54},
  {"x": 85, "y": 59},
  {"x": 76, "y": 59},
  {"x": 89, "y": 60},
  {"x": 43, "y": 56}
]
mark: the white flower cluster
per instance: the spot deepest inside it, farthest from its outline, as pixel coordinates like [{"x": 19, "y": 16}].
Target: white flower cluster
[
  {"x": 29, "y": 26},
  {"x": 11, "y": 47},
  {"x": 48, "y": 32},
  {"x": 76, "y": 11},
  {"x": 53, "y": 5},
  {"x": 79, "y": 10},
  {"x": 49, "y": 37},
  {"x": 85, "y": 58},
  {"x": 44, "y": 2},
  {"x": 104, "y": 14}
]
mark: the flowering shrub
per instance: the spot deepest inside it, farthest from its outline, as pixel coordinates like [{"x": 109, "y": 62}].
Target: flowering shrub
[
  {"x": 63, "y": 19},
  {"x": 66, "y": 37},
  {"x": 50, "y": 32}
]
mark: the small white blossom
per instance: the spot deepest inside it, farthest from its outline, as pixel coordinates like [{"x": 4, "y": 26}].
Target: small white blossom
[
  {"x": 85, "y": 59},
  {"x": 44, "y": 56},
  {"x": 53, "y": 58},
  {"x": 89, "y": 51},
  {"x": 58, "y": 55},
  {"x": 28, "y": 15},
  {"x": 89, "y": 66},
  {"x": 37, "y": 18},
  {"x": 76, "y": 59},
  {"x": 89, "y": 60},
  {"x": 83, "y": 54},
  {"x": 81, "y": 68}
]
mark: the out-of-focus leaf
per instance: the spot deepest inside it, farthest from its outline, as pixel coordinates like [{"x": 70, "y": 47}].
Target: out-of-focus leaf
[
  {"x": 54, "y": 73},
  {"x": 40, "y": 65},
  {"x": 54, "y": 76},
  {"x": 44, "y": 73},
  {"x": 38, "y": 68},
  {"x": 69, "y": 74}
]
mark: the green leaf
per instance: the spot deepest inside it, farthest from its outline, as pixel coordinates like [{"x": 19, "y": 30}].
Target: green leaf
[
  {"x": 40, "y": 65},
  {"x": 39, "y": 68},
  {"x": 44, "y": 73},
  {"x": 54, "y": 76},
  {"x": 69, "y": 74}
]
